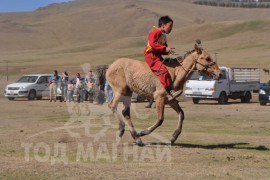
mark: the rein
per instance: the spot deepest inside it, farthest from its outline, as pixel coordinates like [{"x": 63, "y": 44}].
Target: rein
[
  {"x": 205, "y": 66},
  {"x": 180, "y": 60}
]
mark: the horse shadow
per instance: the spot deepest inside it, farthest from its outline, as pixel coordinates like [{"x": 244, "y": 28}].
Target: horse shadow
[
  {"x": 227, "y": 103},
  {"x": 245, "y": 146}
]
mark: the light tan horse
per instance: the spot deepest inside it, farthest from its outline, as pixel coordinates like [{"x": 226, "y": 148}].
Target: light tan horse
[{"x": 126, "y": 76}]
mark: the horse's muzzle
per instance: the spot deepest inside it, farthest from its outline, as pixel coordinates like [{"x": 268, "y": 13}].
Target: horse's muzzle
[{"x": 216, "y": 76}]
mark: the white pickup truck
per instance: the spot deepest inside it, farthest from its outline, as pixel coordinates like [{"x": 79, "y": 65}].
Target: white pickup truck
[{"x": 235, "y": 83}]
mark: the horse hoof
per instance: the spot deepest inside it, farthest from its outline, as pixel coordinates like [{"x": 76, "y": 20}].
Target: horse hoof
[
  {"x": 173, "y": 140},
  {"x": 139, "y": 142},
  {"x": 121, "y": 132}
]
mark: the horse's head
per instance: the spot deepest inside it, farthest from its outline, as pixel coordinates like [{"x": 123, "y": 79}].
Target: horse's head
[{"x": 205, "y": 64}]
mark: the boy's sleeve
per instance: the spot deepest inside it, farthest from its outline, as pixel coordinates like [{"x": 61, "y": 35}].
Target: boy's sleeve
[{"x": 153, "y": 42}]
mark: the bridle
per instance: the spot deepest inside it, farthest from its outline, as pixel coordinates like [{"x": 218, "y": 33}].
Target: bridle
[{"x": 205, "y": 66}]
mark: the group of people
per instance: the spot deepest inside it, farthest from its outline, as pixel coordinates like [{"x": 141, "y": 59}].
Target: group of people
[{"x": 85, "y": 89}]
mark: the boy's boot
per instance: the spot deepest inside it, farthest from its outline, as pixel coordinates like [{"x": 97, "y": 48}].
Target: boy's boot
[{"x": 172, "y": 94}]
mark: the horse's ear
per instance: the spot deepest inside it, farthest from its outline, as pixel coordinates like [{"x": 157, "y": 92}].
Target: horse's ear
[{"x": 198, "y": 49}]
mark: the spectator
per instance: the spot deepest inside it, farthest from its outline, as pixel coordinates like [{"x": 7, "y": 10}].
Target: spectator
[
  {"x": 64, "y": 84},
  {"x": 80, "y": 89},
  {"x": 89, "y": 77},
  {"x": 78, "y": 77},
  {"x": 70, "y": 91},
  {"x": 108, "y": 92},
  {"x": 90, "y": 90},
  {"x": 53, "y": 85}
]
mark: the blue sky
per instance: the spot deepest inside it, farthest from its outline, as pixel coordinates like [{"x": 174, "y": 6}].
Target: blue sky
[{"x": 25, "y": 5}]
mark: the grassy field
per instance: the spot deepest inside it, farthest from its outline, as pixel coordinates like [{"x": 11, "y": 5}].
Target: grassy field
[{"x": 229, "y": 142}]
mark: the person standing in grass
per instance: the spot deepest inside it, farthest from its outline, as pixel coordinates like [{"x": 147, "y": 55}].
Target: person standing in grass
[
  {"x": 108, "y": 92},
  {"x": 90, "y": 79},
  {"x": 64, "y": 85},
  {"x": 70, "y": 91},
  {"x": 80, "y": 88},
  {"x": 53, "y": 85}
]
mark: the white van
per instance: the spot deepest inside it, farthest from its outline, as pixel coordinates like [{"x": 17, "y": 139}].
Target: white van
[{"x": 33, "y": 86}]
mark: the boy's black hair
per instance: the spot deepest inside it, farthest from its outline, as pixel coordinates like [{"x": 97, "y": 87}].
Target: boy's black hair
[{"x": 164, "y": 20}]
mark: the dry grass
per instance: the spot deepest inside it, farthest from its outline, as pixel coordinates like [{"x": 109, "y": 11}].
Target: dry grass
[{"x": 231, "y": 142}]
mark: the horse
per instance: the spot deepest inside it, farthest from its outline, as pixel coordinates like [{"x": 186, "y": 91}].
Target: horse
[{"x": 127, "y": 75}]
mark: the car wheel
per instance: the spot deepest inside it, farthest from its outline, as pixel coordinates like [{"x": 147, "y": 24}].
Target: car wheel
[
  {"x": 222, "y": 98},
  {"x": 246, "y": 98},
  {"x": 32, "y": 95},
  {"x": 195, "y": 100},
  {"x": 262, "y": 103},
  {"x": 11, "y": 98}
]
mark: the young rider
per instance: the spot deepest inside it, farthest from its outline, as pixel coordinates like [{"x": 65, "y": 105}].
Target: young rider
[{"x": 157, "y": 46}]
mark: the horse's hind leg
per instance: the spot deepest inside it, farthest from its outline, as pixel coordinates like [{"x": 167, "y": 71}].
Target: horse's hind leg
[
  {"x": 113, "y": 106},
  {"x": 126, "y": 113},
  {"x": 160, "y": 103},
  {"x": 174, "y": 104}
]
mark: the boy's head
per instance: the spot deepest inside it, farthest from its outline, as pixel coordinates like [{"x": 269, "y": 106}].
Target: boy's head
[{"x": 166, "y": 24}]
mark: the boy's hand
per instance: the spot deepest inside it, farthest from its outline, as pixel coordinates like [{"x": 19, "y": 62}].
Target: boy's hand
[{"x": 170, "y": 50}]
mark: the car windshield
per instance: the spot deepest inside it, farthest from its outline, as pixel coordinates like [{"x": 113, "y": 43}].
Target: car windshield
[
  {"x": 28, "y": 79},
  {"x": 200, "y": 77}
]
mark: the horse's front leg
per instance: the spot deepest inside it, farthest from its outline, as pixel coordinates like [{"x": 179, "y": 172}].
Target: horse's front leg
[
  {"x": 174, "y": 104},
  {"x": 160, "y": 103}
]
